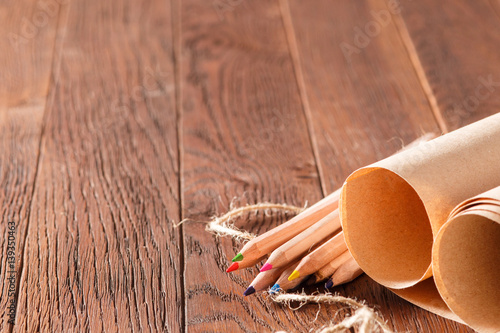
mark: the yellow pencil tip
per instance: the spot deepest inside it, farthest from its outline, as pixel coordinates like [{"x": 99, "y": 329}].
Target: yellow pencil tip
[{"x": 294, "y": 275}]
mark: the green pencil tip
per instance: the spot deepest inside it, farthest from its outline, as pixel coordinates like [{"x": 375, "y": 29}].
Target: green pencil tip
[{"x": 238, "y": 257}]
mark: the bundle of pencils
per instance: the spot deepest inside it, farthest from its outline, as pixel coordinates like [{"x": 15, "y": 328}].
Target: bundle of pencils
[{"x": 310, "y": 247}]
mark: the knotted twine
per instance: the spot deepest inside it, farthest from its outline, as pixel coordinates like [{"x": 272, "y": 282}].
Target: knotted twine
[{"x": 364, "y": 319}]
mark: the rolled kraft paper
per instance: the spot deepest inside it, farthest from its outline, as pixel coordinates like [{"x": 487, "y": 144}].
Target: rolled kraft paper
[
  {"x": 466, "y": 262},
  {"x": 392, "y": 210}
]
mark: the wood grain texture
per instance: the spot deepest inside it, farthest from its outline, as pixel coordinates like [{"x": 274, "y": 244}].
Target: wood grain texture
[
  {"x": 245, "y": 136},
  {"x": 458, "y": 44},
  {"x": 28, "y": 34},
  {"x": 26, "y": 62},
  {"x": 101, "y": 253},
  {"x": 363, "y": 107}
]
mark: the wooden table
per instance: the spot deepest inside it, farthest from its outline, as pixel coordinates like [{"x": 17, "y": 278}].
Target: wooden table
[{"x": 120, "y": 118}]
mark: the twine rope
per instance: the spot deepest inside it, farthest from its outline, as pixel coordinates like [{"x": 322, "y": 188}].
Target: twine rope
[
  {"x": 365, "y": 319},
  {"x": 223, "y": 225}
]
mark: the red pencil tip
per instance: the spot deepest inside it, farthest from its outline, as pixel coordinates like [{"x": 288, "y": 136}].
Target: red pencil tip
[
  {"x": 266, "y": 267},
  {"x": 234, "y": 266}
]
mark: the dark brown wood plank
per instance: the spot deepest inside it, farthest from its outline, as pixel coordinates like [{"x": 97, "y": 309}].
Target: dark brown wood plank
[
  {"x": 244, "y": 136},
  {"x": 101, "y": 252},
  {"x": 458, "y": 45},
  {"x": 28, "y": 38},
  {"x": 363, "y": 106}
]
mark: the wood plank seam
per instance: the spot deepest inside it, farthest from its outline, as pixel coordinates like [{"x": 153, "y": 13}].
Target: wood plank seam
[
  {"x": 419, "y": 70},
  {"x": 301, "y": 85},
  {"x": 177, "y": 54},
  {"x": 56, "y": 59}
]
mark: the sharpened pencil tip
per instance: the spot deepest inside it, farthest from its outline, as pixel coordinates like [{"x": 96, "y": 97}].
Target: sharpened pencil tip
[
  {"x": 238, "y": 257},
  {"x": 250, "y": 290},
  {"x": 329, "y": 284},
  {"x": 234, "y": 266},
  {"x": 295, "y": 274},
  {"x": 266, "y": 267},
  {"x": 274, "y": 289}
]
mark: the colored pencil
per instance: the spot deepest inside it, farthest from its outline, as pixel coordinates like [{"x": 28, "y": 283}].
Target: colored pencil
[
  {"x": 326, "y": 271},
  {"x": 347, "y": 272},
  {"x": 314, "y": 231},
  {"x": 264, "y": 280},
  {"x": 300, "y": 244},
  {"x": 283, "y": 283},
  {"x": 236, "y": 265},
  {"x": 311, "y": 263},
  {"x": 253, "y": 251}
]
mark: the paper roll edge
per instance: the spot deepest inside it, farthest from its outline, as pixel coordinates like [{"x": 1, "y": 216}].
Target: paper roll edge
[{"x": 366, "y": 239}]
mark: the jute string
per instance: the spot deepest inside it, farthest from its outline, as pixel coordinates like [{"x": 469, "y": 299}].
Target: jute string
[{"x": 364, "y": 319}]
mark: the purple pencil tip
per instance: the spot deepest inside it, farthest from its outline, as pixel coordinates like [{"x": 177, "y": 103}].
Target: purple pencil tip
[{"x": 250, "y": 290}]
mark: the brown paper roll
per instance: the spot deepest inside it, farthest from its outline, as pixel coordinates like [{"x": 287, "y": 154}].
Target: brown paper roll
[
  {"x": 466, "y": 262},
  {"x": 392, "y": 211}
]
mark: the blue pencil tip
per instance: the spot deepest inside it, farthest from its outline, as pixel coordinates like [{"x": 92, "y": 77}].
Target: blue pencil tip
[
  {"x": 274, "y": 289},
  {"x": 329, "y": 284}
]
